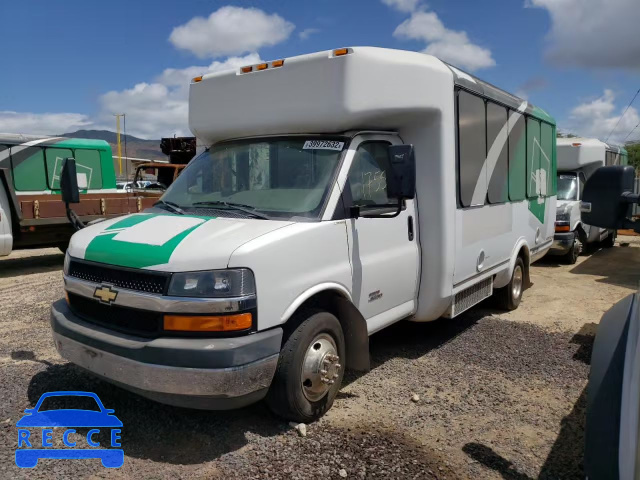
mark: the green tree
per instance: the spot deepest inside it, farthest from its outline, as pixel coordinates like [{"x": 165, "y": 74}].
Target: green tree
[{"x": 634, "y": 155}]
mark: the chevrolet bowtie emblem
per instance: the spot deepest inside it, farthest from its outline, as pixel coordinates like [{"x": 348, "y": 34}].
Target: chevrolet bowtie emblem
[{"x": 105, "y": 294}]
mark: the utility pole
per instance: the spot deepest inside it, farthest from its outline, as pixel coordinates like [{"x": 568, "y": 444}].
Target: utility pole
[{"x": 118, "y": 115}]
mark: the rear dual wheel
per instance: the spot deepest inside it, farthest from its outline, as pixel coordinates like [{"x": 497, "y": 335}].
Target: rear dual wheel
[
  {"x": 310, "y": 369},
  {"x": 509, "y": 297}
]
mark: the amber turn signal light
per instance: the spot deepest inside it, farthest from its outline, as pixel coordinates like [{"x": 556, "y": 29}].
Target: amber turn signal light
[
  {"x": 563, "y": 228},
  {"x": 219, "y": 323}
]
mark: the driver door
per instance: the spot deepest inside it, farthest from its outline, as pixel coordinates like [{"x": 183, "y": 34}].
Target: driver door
[{"x": 384, "y": 252}]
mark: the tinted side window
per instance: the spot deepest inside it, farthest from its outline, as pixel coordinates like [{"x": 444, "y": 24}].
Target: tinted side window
[
  {"x": 517, "y": 156},
  {"x": 547, "y": 159},
  {"x": 472, "y": 147},
  {"x": 28, "y": 169},
  {"x": 497, "y": 148},
  {"x": 88, "y": 164},
  {"x": 534, "y": 177},
  {"x": 4, "y": 157},
  {"x": 368, "y": 174},
  {"x": 55, "y": 159}
]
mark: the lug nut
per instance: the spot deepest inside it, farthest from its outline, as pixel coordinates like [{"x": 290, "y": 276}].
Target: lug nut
[
  {"x": 337, "y": 365},
  {"x": 323, "y": 372},
  {"x": 335, "y": 375},
  {"x": 331, "y": 382}
]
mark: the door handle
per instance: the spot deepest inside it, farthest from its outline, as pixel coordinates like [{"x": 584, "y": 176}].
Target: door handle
[{"x": 410, "y": 227}]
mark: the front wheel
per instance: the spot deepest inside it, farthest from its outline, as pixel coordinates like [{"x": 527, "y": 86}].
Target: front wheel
[
  {"x": 310, "y": 369},
  {"x": 509, "y": 297},
  {"x": 610, "y": 241},
  {"x": 571, "y": 257}
]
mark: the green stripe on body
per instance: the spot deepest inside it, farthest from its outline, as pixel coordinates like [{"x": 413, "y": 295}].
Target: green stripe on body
[{"x": 104, "y": 249}]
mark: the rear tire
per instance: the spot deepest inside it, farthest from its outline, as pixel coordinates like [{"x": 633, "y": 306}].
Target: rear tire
[
  {"x": 610, "y": 241},
  {"x": 310, "y": 369},
  {"x": 509, "y": 297}
]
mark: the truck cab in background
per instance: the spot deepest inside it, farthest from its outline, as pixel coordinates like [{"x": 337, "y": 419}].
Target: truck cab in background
[{"x": 577, "y": 159}]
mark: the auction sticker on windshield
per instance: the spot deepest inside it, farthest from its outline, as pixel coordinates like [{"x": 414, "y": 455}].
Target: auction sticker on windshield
[{"x": 322, "y": 145}]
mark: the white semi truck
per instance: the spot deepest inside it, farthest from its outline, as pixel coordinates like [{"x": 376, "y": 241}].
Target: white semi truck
[
  {"x": 578, "y": 158},
  {"x": 342, "y": 191}
]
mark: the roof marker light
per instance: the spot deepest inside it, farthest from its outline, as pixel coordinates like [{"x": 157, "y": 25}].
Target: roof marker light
[
  {"x": 246, "y": 69},
  {"x": 197, "y": 79},
  {"x": 262, "y": 66},
  {"x": 340, "y": 51},
  {"x": 277, "y": 63},
  {"x": 576, "y": 144}
]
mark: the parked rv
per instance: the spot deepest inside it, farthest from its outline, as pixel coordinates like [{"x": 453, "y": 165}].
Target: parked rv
[
  {"x": 342, "y": 191},
  {"x": 578, "y": 158},
  {"x": 32, "y": 214}
]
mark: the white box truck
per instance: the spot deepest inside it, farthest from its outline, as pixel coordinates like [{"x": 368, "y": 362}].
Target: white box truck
[
  {"x": 304, "y": 228},
  {"x": 578, "y": 158}
]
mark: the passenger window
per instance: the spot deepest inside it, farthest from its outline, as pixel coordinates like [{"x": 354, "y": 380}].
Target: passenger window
[
  {"x": 517, "y": 157},
  {"x": 472, "y": 148},
  {"x": 368, "y": 174},
  {"x": 498, "y": 152},
  {"x": 88, "y": 164},
  {"x": 55, "y": 160},
  {"x": 535, "y": 175},
  {"x": 546, "y": 157},
  {"x": 4, "y": 156},
  {"x": 28, "y": 169}
]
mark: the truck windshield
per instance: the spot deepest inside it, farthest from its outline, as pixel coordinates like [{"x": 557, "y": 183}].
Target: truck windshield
[
  {"x": 275, "y": 177},
  {"x": 567, "y": 187}
]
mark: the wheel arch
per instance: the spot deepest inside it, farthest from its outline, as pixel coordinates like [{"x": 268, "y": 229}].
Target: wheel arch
[
  {"x": 521, "y": 250},
  {"x": 335, "y": 299}
]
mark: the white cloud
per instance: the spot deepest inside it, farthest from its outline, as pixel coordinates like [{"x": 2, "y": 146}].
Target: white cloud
[
  {"x": 307, "y": 32},
  {"x": 42, "y": 123},
  {"x": 407, "y": 6},
  {"x": 231, "y": 31},
  {"x": 593, "y": 33},
  {"x": 449, "y": 45},
  {"x": 161, "y": 108},
  {"x": 597, "y": 117}
]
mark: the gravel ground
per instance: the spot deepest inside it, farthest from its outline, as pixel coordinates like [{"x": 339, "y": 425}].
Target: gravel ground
[{"x": 499, "y": 395}]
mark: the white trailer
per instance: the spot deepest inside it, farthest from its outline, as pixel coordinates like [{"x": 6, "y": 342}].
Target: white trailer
[
  {"x": 578, "y": 158},
  {"x": 280, "y": 249}
]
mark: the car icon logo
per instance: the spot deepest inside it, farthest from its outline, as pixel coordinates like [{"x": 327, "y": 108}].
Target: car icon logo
[
  {"x": 105, "y": 294},
  {"x": 43, "y": 416}
]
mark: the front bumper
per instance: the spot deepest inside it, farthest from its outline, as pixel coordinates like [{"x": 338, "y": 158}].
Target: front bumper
[
  {"x": 562, "y": 243},
  {"x": 206, "y": 373}
]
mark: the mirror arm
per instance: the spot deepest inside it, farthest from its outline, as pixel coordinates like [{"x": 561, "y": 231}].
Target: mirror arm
[
  {"x": 74, "y": 219},
  {"x": 630, "y": 197},
  {"x": 355, "y": 211}
]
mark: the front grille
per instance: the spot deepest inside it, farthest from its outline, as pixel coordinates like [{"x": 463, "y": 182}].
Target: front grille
[
  {"x": 137, "y": 322},
  {"x": 139, "y": 280}
]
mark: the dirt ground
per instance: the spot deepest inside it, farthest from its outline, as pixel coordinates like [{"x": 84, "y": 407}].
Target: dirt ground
[{"x": 501, "y": 395}]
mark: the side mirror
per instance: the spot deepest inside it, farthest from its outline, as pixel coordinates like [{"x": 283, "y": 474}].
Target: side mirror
[
  {"x": 69, "y": 182},
  {"x": 401, "y": 177},
  {"x": 607, "y": 194}
]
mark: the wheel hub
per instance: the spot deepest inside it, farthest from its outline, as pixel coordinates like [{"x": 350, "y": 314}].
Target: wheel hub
[
  {"x": 320, "y": 368},
  {"x": 516, "y": 287}
]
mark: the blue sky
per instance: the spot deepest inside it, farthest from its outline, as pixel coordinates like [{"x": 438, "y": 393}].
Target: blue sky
[{"x": 74, "y": 64}]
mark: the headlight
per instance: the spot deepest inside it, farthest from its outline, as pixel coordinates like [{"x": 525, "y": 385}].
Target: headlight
[
  {"x": 563, "y": 217},
  {"x": 65, "y": 266},
  {"x": 213, "y": 284}
]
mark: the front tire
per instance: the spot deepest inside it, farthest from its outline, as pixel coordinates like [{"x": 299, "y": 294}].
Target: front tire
[
  {"x": 571, "y": 257},
  {"x": 509, "y": 297},
  {"x": 610, "y": 241},
  {"x": 310, "y": 369}
]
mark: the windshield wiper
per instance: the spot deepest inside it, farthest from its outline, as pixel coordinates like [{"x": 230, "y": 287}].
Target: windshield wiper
[
  {"x": 173, "y": 207},
  {"x": 234, "y": 206}
]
